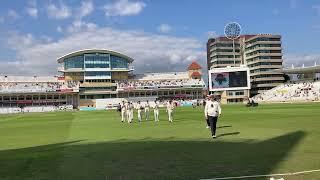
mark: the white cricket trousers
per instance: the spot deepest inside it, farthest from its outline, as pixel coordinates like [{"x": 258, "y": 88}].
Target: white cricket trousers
[
  {"x": 131, "y": 115},
  {"x": 156, "y": 114},
  {"x": 139, "y": 115},
  {"x": 123, "y": 115},
  {"x": 170, "y": 113},
  {"x": 128, "y": 116},
  {"x": 146, "y": 111}
]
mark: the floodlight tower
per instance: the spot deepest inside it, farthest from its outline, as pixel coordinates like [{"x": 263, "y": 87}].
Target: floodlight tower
[{"x": 232, "y": 31}]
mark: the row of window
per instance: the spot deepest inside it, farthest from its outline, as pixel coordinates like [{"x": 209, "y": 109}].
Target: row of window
[
  {"x": 265, "y": 64},
  {"x": 226, "y": 50},
  {"x": 267, "y": 76},
  {"x": 98, "y": 88},
  {"x": 263, "y": 57},
  {"x": 32, "y": 97},
  {"x": 262, "y": 39},
  {"x": 73, "y": 62},
  {"x": 262, "y": 70},
  {"x": 263, "y": 51},
  {"x": 225, "y": 45},
  {"x": 262, "y": 45},
  {"x": 268, "y": 82},
  {"x": 225, "y": 56},
  {"x": 235, "y": 93},
  {"x": 99, "y": 80},
  {"x": 226, "y": 62}
]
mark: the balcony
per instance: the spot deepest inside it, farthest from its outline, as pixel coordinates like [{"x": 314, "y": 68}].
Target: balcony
[
  {"x": 102, "y": 84},
  {"x": 268, "y": 79},
  {"x": 264, "y": 60},
  {"x": 263, "y": 48},
  {"x": 262, "y": 42},
  {"x": 62, "y": 69},
  {"x": 263, "y": 54},
  {"x": 266, "y": 67},
  {"x": 265, "y": 72}
]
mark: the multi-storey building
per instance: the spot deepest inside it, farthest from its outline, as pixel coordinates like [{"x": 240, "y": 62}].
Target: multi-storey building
[
  {"x": 261, "y": 53},
  {"x": 263, "y": 56}
]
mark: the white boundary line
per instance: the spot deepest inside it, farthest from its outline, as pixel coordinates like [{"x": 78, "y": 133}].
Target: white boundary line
[{"x": 266, "y": 175}]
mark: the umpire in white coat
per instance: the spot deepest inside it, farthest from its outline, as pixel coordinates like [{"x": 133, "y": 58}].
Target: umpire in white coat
[{"x": 212, "y": 111}]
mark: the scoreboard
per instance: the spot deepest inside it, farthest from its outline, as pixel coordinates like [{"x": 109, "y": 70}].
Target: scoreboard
[{"x": 229, "y": 78}]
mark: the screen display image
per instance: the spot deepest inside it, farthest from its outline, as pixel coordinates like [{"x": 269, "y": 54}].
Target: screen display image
[
  {"x": 220, "y": 80},
  {"x": 229, "y": 79}
]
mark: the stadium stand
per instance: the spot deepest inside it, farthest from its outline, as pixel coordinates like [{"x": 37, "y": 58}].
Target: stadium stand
[
  {"x": 36, "y": 94},
  {"x": 291, "y": 92}
]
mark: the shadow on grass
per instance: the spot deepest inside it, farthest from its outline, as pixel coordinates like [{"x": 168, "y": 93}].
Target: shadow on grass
[
  {"x": 147, "y": 159},
  {"x": 228, "y": 134},
  {"x": 220, "y": 127}
]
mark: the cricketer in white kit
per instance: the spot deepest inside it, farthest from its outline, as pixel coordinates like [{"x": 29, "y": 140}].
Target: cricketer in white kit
[
  {"x": 170, "y": 108},
  {"x": 139, "y": 107},
  {"x": 156, "y": 111},
  {"x": 147, "y": 110}
]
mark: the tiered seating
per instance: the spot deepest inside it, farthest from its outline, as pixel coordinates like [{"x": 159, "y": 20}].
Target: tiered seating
[
  {"x": 28, "y": 78},
  {"x": 161, "y": 76},
  {"x": 10, "y": 110},
  {"x": 293, "y": 92},
  {"x": 160, "y": 80},
  {"x": 22, "y": 87}
]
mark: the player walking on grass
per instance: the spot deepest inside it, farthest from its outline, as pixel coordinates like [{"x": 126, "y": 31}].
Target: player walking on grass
[
  {"x": 131, "y": 111},
  {"x": 207, "y": 120},
  {"x": 139, "y": 108},
  {"x": 170, "y": 108},
  {"x": 127, "y": 107},
  {"x": 212, "y": 111},
  {"x": 147, "y": 110},
  {"x": 156, "y": 111},
  {"x": 123, "y": 112}
]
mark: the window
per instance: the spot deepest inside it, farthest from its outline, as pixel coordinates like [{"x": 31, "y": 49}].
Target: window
[
  {"x": 118, "y": 62},
  {"x": 73, "y": 62},
  {"x": 97, "y": 60}
]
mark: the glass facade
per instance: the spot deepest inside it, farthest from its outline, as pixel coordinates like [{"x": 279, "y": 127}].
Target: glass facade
[
  {"x": 118, "y": 62},
  {"x": 74, "y": 62},
  {"x": 97, "y": 60}
]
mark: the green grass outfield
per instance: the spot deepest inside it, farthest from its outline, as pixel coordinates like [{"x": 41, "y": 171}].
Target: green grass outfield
[{"x": 95, "y": 145}]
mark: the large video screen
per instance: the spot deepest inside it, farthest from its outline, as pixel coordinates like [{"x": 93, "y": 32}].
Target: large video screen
[{"x": 236, "y": 79}]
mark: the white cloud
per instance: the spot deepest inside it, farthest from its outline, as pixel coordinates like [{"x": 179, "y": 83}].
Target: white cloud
[
  {"x": 1, "y": 19},
  {"x": 163, "y": 53},
  {"x": 60, "y": 11},
  {"x": 212, "y": 34},
  {"x": 124, "y": 8},
  {"x": 79, "y": 25},
  {"x": 164, "y": 28},
  {"x": 12, "y": 14},
  {"x": 33, "y": 12},
  {"x": 32, "y": 9},
  {"x": 85, "y": 9}
]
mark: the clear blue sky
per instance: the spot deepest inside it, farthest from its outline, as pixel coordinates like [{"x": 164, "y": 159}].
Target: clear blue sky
[{"x": 179, "y": 29}]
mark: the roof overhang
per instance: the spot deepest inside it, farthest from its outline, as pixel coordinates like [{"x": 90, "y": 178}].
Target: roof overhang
[
  {"x": 301, "y": 70},
  {"x": 62, "y": 58}
]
